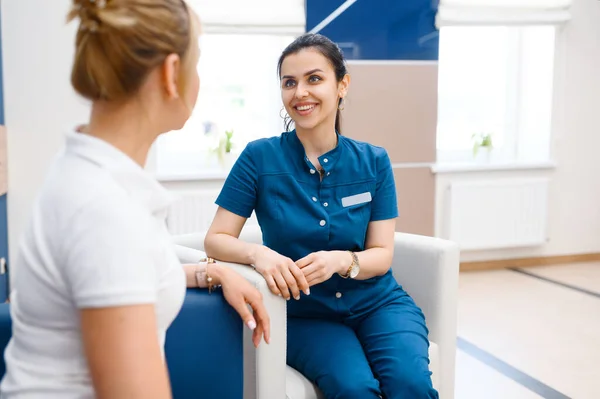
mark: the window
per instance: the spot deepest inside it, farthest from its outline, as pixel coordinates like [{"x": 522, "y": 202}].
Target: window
[
  {"x": 239, "y": 92},
  {"x": 239, "y": 88},
  {"x": 495, "y": 80}
]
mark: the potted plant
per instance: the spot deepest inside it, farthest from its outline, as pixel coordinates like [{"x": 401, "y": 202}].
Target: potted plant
[
  {"x": 224, "y": 149},
  {"x": 482, "y": 146}
]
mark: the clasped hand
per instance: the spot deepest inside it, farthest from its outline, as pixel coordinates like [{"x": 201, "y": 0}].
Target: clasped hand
[{"x": 287, "y": 278}]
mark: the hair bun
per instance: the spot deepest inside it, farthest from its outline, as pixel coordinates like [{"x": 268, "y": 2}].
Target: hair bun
[
  {"x": 97, "y": 14},
  {"x": 120, "y": 41},
  {"x": 87, "y": 11}
]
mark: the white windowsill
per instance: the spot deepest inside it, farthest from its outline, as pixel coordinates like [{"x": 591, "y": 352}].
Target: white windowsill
[
  {"x": 197, "y": 176},
  {"x": 456, "y": 167},
  {"x": 436, "y": 168}
]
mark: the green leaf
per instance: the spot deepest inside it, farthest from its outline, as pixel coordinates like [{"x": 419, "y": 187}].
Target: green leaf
[{"x": 476, "y": 148}]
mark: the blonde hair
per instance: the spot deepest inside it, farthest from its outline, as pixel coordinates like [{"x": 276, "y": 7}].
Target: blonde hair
[{"x": 119, "y": 42}]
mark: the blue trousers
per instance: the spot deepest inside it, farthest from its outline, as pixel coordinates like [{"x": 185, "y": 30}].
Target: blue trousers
[{"x": 382, "y": 353}]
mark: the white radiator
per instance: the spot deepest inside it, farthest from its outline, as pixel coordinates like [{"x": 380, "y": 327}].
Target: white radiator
[
  {"x": 498, "y": 214},
  {"x": 194, "y": 211}
]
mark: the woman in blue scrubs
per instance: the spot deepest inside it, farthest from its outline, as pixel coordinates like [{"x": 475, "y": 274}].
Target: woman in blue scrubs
[{"x": 326, "y": 205}]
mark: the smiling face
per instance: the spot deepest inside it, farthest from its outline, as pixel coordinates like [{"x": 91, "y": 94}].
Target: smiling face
[{"x": 310, "y": 90}]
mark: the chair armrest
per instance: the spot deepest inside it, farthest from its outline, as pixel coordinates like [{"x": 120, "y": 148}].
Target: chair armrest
[
  {"x": 193, "y": 241},
  {"x": 249, "y": 233},
  {"x": 427, "y": 268},
  {"x": 265, "y": 367},
  {"x": 187, "y": 254}
]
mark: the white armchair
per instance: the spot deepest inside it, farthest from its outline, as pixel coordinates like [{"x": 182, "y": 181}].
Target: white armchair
[{"x": 426, "y": 267}]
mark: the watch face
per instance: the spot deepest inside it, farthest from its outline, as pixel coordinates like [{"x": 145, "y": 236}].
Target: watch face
[{"x": 354, "y": 272}]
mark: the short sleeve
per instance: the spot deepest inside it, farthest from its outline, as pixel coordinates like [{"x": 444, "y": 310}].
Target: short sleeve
[
  {"x": 385, "y": 203},
  {"x": 110, "y": 252},
  {"x": 238, "y": 194}
]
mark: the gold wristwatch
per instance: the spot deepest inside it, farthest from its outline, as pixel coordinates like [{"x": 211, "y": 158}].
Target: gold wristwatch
[{"x": 354, "y": 268}]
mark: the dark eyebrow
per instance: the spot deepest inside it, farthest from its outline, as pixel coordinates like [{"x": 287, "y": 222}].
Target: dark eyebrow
[{"x": 306, "y": 74}]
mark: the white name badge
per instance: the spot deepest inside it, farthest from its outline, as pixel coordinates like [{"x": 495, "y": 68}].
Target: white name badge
[{"x": 356, "y": 199}]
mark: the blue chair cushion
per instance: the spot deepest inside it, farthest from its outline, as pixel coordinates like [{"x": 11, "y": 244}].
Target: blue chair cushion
[{"x": 204, "y": 348}]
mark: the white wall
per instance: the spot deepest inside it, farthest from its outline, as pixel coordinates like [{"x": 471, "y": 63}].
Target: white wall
[
  {"x": 574, "y": 207},
  {"x": 39, "y": 103}
]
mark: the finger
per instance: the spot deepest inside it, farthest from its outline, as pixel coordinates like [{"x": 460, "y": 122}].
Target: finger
[
  {"x": 308, "y": 259},
  {"x": 266, "y": 326},
  {"x": 310, "y": 270},
  {"x": 314, "y": 274},
  {"x": 257, "y": 335},
  {"x": 244, "y": 312},
  {"x": 300, "y": 278},
  {"x": 291, "y": 281},
  {"x": 272, "y": 286},
  {"x": 262, "y": 316},
  {"x": 315, "y": 278},
  {"x": 282, "y": 284}
]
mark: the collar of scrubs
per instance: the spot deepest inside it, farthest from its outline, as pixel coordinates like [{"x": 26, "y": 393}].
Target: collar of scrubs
[
  {"x": 327, "y": 160},
  {"x": 128, "y": 174}
]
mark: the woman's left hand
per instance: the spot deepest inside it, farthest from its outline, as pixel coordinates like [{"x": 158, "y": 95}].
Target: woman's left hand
[
  {"x": 320, "y": 266},
  {"x": 239, "y": 293}
]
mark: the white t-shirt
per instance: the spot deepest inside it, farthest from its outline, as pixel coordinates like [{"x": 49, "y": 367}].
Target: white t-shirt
[{"x": 97, "y": 238}]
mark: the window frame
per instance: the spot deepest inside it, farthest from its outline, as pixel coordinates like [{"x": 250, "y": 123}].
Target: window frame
[
  {"x": 512, "y": 149},
  {"x": 202, "y": 165}
]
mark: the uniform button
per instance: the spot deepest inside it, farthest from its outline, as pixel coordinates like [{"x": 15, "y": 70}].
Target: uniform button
[
  {"x": 326, "y": 204},
  {"x": 322, "y": 223},
  {"x": 338, "y": 295},
  {"x": 314, "y": 199},
  {"x": 325, "y": 160},
  {"x": 328, "y": 173},
  {"x": 312, "y": 171}
]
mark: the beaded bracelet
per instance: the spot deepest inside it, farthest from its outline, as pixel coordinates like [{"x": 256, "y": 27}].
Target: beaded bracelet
[
  {"x": 209, "y": 278},
  {"x": 203, "y": 277}
]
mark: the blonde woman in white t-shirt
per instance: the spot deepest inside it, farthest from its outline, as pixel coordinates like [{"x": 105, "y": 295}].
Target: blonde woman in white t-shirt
[{"x": 97, "y": 280}]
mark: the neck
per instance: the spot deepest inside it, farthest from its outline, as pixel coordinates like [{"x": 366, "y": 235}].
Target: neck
[
  {"x": 318, "y": 140},
  {"x": 124, "y": 127}
]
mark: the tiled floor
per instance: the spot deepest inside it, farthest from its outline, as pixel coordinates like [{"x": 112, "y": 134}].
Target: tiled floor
[
  {"x": 475, "y": 380},
  {"x": 546, "y": 332}
]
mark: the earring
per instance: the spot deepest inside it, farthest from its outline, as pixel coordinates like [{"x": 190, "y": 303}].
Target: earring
[
  {"x": 280, "y": 113},
  {"x": 341, "y": 105}
]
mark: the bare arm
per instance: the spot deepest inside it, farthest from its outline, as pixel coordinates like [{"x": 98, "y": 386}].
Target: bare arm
[
  {"x": 123, "y": 353},
  {"x": 374, "y": 261},
  {"x": 281, "y": 273},
  {"x": 221, "y": 241}
]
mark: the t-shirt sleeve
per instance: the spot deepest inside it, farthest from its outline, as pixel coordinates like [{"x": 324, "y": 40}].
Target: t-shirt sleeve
[
  {"x": 110, "y": 251},
  {"x": 384, "y": 204},
  {"x": 238, "y": 194}
]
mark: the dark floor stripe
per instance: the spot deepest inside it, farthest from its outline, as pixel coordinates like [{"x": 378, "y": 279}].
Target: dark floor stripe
[
  {"x": 549, "y": 280},
  {"x": 509, "y": 371}
]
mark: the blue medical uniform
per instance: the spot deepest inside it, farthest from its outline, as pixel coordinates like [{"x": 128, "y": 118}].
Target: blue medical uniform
[{"x": 354, "y": 339}]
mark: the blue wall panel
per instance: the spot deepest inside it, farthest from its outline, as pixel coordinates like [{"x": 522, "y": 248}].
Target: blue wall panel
[
  {"x": 380, "y": 29},
  {"x": 3, "y": 218},
  {"x": 3, "y": 247}
]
